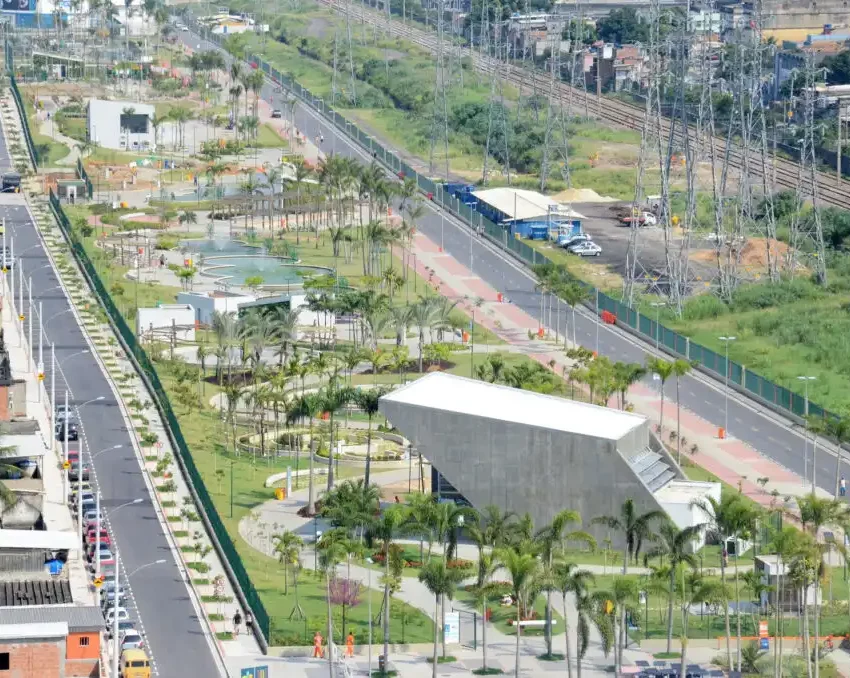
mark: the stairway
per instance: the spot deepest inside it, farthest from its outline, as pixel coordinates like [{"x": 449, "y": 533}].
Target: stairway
[{"x": 652, "y": 469}]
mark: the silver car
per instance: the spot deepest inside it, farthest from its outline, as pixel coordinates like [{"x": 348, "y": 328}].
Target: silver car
[{"x": 132, "y": 641}]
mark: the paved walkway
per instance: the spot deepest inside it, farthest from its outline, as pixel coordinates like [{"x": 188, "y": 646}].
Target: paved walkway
[{"x": 501, "y": 648}]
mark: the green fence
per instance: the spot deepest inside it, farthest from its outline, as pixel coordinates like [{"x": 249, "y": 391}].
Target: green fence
[
  {"x": 22, "y": 112},
  {"x": 778, "y": 396},
  {"x": 81, "y": 172},
  {"x": 227, "y": 550}
]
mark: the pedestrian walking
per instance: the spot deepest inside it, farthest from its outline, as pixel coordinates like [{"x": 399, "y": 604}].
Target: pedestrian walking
[
  {"x": 349, "y": 645},
  {"x": 249, "y": 622},
  {"x": 237, "y": 622},
  {"x": 318, "y": 653},
  {"x": 842, "y": 486}
]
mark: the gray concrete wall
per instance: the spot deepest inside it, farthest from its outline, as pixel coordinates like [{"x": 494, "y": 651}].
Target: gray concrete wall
[
  {"x": 809, "y": 14},
  {"x": 523, "y": 468}
]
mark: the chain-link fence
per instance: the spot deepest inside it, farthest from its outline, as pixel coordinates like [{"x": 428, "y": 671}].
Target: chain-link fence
[
  {"x": 81, "y": 172},
  {"x": 22, "y": 113}
]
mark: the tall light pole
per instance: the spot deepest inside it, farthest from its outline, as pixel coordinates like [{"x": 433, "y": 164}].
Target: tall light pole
[
  {"x": 806, "y": 381},
  {"x": 657, "y": 305},
  {"x": 80, "y": 464},
  {"x": 98, "y": 524},
  {"x": 40, "y": 365},
  {"x": 116, "y": 646},
  {"x": 727, "y": 341},
  {"x": 29, "y": 324},
  {"x": 65, "y": 447}
]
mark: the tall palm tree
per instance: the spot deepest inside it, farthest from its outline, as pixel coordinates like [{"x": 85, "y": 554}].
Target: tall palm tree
[
  {"x": 333, "y": 398},
  {"x": 635, "y": 529},
  {"x": 664, "y": 369},
  {"x": 423, "y": 315},
  {"x": 520, "y": 560},
  {"x": 680, "y": 368},
  {"x": 624, "y": 595},
  {"x": 699, "y": 590},
  {"x": 331, "y": 551},
  {"x": 302, "y": 173},
  {"x": 441, "y": 581},
  {"x": 286, "y": 323},
  {"x": 784, "y": 543},
  {"x": 573, "y": 293},
  {"x": 367, "y": 400},
  {"x": 551, "y": 540},
  {"x": 816, "y": 513},
  {"x": 287, "y": 547},
  {"x": 570, "y": 580},
  {"x": 722, "y": 523},
  {"x": 676, "y": 547},
  {"x": 307, "y": 406},
  {"x": 384, "y": 529}
]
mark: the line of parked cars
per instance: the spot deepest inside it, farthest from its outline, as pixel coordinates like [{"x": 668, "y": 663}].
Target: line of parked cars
[
  {"x": 134, "y": 662},
  {"x": 580, "y": 244}
]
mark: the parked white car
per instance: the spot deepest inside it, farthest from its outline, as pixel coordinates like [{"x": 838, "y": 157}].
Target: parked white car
[
  {"x": 110, "y": 612},
  {"x": 586, "y": 249}
]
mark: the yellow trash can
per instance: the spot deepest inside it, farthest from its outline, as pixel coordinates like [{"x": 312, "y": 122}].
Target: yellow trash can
[{"x": 280, "y": 493}]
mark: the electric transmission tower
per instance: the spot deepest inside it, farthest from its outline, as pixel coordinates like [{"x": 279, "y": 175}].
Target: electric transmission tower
[
  {"x": 555, "y": 143},
  {"x": 440, "y": 105}
]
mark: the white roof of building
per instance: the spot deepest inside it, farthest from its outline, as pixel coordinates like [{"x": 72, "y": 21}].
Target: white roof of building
[
  {"x": 33, "y": 631},
  {"x": 117, "y": 107},
  {"x": 523, "y": 204},
  {"x": 39, "y": 539},
  {"x": 447, "y": 392}
]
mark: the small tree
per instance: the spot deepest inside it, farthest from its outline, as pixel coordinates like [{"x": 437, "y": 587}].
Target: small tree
[{"x": 253, "y": 282}]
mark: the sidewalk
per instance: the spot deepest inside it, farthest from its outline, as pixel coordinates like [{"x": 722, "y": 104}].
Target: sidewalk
[{"x": 732, "y": 461}]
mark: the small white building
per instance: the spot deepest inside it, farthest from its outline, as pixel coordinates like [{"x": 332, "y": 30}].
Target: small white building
[
  {"x": 207, "y": 303},
  {"x": 677, "y": 499},
  {"x": 166, "y": 322},
  {"x": 121, "y": 125},
  {"x": 772, "y": 569},
  {"x": 306, "y": 318}
]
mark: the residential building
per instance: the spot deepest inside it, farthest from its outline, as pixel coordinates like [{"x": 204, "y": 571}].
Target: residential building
[
  {"x": 121, "y": 125},
  {"x": 705, "y": 21}
]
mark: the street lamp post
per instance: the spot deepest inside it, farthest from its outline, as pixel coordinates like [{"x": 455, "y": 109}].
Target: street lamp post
[
  {"x": 65, "y": 445},
  {"x": 98, "y": 524},
  {"x": 80, "y": 465},
  {"x": 726, "y": 340},
  {"x": 806, "y": 381},
  {"x": 115, "y": 640},
  {"x": 657, "y": 305},
  {"x": 369, "y": 585}
]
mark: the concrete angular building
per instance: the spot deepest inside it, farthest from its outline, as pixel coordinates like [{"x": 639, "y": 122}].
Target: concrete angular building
[{"x": 538, "y": 454}]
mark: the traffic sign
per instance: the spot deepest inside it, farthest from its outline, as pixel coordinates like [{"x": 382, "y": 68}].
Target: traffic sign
[
  {"x": 98, "y": 582},
  {"x": 764, "y": 643},
  {"x": 763, "y": 628},
  {"x": 66, "y": 465},
  {"x": 21, "y": 317}
]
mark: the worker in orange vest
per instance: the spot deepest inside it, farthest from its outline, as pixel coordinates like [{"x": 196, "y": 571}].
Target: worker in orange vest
[
  {"x": 349, "y": 645},
  {"x": 317, "y": 646}
]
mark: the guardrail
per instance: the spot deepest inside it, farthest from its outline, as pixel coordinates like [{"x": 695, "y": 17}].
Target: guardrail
[
  {"x": 776, "y": 397},
  {"x": 231, "y": 560},
  {"x": 25, "y": 125}
]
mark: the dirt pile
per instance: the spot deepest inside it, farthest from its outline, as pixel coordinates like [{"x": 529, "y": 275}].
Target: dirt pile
[
  {"x": 581, "y": 195},
  {"x": 753, "y": 255}
]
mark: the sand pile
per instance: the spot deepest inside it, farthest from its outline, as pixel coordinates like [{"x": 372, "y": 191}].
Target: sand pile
[
  {"x": 753, "y": 255},
  {"x": 581, "y": 195}
]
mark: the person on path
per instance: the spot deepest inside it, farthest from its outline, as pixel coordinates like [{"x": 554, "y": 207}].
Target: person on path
[
  {"x": 249, "y": 621},
  {"x": 349, "y": 645},
  {"x": 318, "y": 653},
  {"x": 842, "y": 486},
  {"x": 237, "y": 622}
]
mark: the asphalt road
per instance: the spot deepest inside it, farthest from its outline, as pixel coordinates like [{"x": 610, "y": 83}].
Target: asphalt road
[
  {"x": 174, "y": 632},
  {"x": 765, "y": 431}
]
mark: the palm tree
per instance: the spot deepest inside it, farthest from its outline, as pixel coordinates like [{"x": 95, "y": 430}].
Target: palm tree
[
  {"x": 680, "y": 369},
  {"x": 307, "y": 406},
  {"x": 384, "y": 529},
  {"x": 367, "y": 401},
  {"x": 521, "y": 562},
  {"x": 676, "y": 547},
  {"x": 287, "y": 546},
  {"x": 816, "y": 513},
  {"x": 699, "y": 590},
  {"x": 551, "y": 540},
  {"x": 569, "y": 580},
  {"x": 635, "y": 529},
  {"x": 421, "y": 512},
  {"x": 441, "y": 581},
  {"x": 331, "y": 552},
  {"x": 623, "y": 594},
  {"x": 333, "y": 398},
  {"x": 302, "y": 173},
  {"x": 573, "y": 293},
  {"x": 187, "y": 217},
  {"x": 664, "y": 369},
  {"x": 625, "y": 376},
  {"x": 723, "y": 521},
  {"x": 423, "y": 314},
  {"x": 784, "y": 543}
]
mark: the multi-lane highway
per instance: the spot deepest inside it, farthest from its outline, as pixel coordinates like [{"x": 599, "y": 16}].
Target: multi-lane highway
[
  {"x": 174, "y": 632},
  {"x": 765, "y": 431}
]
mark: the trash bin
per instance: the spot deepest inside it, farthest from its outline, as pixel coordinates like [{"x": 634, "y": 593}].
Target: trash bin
[
  {"x": 279, "y": 493},
  {"x": 382, "y": 663}
]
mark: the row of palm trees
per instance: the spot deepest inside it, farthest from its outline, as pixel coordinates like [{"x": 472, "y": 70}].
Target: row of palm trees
[{"x": 542, "y": 563}]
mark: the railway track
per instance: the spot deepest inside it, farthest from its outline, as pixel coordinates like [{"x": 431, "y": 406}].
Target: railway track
[{"x": 831, "y": 190}]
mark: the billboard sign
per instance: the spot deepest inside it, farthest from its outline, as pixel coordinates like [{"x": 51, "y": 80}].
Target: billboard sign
[{"x": 18, "y": 5}]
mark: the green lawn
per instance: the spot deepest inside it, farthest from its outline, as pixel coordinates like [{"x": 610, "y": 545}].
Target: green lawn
[{"x": 267, "y": 137}]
